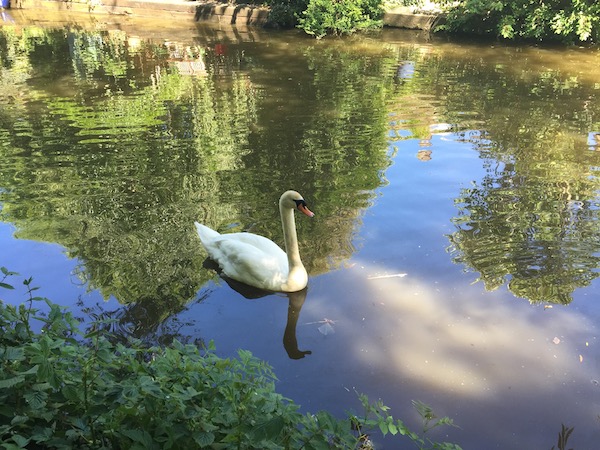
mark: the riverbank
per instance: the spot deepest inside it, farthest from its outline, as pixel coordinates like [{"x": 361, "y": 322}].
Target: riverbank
[{"x": 200, "y": 10}]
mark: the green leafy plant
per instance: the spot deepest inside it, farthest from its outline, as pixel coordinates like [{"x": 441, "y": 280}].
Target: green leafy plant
[
  {"x": 568, "y": 21},
  {"x": 376, "y": 415},
  {"x": 285, "y": 13},
  {"x": 62, "y": 388},
  {"x": 338, "y": 17}
]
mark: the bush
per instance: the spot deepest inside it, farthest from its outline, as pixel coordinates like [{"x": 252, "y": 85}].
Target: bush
[
  {"x": 285, "y": 13},
  {"x": 340, "y": 16},
  {"x": 62, "y": 389},
  {"x": 568, "y": 21}
]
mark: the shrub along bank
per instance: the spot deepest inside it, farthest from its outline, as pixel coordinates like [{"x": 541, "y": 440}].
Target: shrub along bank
[
  {"x": 322, "y": 17},
  {"x": 566, "y": 21}
]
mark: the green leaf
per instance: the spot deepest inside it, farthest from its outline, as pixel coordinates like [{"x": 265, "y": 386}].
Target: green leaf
[
  {"x": 17, "y": 420},
  {"x": 33, "y": 370},
  {"x": 73, "y": 434},
  {"x": 36, "y": 399},
  {"x": 91, "y": 334},
  {"x": 105, "y": 355},
  {"x": 383, "y": 426},
  {"x": 204, "y": 439},
  {"x": 79, "y": 423},
  {"x": 402, "y": 428},
  {"x": 6, "y": 286},
  {"x": 20, "y": 440},
  {"x": 268, "y": 430},
  {"x": 41, "y": 387},
  {"x": 13, "y": 354},
  {"x": 393, "y": 429},
  {"x": 41, "y": 434},
  {"x": 45, "y": 372},
  {"x": 325, "y": 419},
  {"x": 139, "y": 436},
  {"x": 7, "y": 272},
  {"x": 72, "y": 393},
  {"x": 9, "y": 446},
  {"x": 10, "y": 382}
]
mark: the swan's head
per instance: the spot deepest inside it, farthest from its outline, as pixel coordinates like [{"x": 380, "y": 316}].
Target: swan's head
[{"x": 293, "y": 200}]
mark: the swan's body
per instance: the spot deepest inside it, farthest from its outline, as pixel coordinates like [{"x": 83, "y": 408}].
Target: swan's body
[{"x": 256, "y": 260}]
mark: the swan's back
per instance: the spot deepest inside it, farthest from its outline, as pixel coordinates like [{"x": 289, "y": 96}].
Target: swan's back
[{"x": 246, "y": 257}]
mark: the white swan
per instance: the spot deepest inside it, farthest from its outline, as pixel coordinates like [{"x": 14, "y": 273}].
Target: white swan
[{"x": 256, "y": 260}]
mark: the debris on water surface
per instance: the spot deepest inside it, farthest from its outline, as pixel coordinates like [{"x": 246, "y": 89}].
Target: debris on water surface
[
  {"x": 326, "y": 327},
  {"x": 379, "y": 277},
  {"x": 556, "y": 340}
]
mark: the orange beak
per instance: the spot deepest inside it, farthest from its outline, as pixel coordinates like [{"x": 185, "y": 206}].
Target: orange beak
[{"x": 303, "y": 209}]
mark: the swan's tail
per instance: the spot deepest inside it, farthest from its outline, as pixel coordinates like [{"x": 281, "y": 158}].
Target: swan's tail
[{"x": 205, "y": 233}]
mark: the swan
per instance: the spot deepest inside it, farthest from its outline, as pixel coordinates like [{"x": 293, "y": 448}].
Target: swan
[{"x": 256, "y": 260}]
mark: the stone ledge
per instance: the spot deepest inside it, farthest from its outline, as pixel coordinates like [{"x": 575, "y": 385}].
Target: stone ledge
[
  {"x": 194, "y": 10},
  {"x": 212, "y": 11},
  {"x": 412, "y": 21},
  {"x": 232, "y": 14},
  {"x": 404, "y": 17}
]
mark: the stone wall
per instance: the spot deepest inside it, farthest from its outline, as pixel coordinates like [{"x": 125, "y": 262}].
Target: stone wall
[
  {"x": 213, "y": 11},
  {"x": 412, "y": 21},
  {"x": 176, "y": 9}
]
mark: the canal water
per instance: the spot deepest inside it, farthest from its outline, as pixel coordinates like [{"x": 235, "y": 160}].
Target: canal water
[{"x": 454, "y": 254}]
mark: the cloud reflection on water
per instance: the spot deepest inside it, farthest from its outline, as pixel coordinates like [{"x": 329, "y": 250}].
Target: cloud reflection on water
[{"x": 491, "y": 361}]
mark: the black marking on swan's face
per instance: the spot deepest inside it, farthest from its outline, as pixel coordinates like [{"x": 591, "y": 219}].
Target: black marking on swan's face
[
  {"x": 303, "y": 208},
  {"x": 300, "y": 203}
]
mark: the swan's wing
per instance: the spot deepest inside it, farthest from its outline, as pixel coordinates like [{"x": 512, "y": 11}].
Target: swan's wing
[
  {"x": 250, "y": 258},
  {"x": 255, "y": 240}
]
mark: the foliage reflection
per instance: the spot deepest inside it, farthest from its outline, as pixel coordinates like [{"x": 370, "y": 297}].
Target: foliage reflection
[
  {"x": 533, "y": 220},
  {"x": 112, "y": 146},
  {"x": 117, "y": 159}
]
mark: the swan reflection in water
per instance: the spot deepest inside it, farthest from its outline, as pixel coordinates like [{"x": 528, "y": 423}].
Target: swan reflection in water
[
  {"x": 290, "y": 343},
  {"x": 295, "y": 302}
]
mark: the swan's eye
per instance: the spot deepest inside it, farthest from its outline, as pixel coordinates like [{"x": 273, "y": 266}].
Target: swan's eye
[{"x": 300, "y": 203}]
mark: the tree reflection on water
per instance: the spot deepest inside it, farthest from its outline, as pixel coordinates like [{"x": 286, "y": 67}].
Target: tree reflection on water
[{"x": 114, "y": 145}]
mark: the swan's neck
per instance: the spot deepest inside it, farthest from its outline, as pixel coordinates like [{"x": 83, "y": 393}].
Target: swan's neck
[
  {"x": 297, "y": 276},
  {"x": 291, "y": 239}
]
